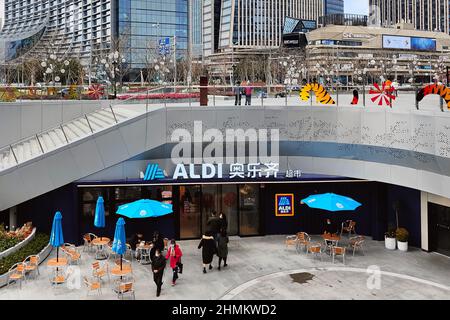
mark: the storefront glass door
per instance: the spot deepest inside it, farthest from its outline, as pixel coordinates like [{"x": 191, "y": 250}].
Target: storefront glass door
[
  {"x": 190, "y": 214},
  {"x": 249, "y": 216}
]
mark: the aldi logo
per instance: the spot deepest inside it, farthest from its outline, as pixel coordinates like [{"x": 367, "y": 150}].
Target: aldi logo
[
  {"x": 153, "y": 172},
  {"x": 284, "y": 204}
]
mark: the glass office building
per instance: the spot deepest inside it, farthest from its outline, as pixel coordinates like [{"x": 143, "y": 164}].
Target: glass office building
[
  {"x": 334, "y": 6},
  {"x": 143, "y": 23},
  {"x": 67, "y": 28}
]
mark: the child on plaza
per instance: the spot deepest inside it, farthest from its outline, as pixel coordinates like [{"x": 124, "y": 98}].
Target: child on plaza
[
  {"x": 209, "y": 249},
  {"x": 174, "y": 255},
  {"x": 158, "y": 265},
  {"x": 222, "y": 248}
]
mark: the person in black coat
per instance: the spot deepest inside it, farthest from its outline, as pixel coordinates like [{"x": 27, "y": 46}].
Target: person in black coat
[
  {"x": 158, "y": 244},
  {"x": 209, "y": 249},
  {"x": 223, "y": 223},
  {"x": 158, "y": 265},
  {"x": 214, "y": 225},
  {"x": 222, "y": 248}
]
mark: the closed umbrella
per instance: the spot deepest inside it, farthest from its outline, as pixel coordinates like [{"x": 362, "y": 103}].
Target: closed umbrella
[
  {"x": 56, "y": 236},
  {"x": 144, "y": 208},
  {"x": 119, "y": 243},
  {"x": 99, "y": 218}
]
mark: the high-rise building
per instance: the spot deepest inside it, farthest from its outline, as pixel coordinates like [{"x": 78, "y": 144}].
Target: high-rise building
[
  {"x": 429, "y": 15},
  {"x": 79, "y": 28},
  {"x": 76, "y": 27},
  {"x": 251, "y": 24},
  {"x": 334, "y": 6},
  {"x": 195, "y": 26},
  {"x": 144, "y": 23}
]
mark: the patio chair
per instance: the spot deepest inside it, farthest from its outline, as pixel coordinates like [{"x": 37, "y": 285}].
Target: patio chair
[
  {"x": 99, "y": 271},
  {"x": 87, "y": 238},
  {"x": 315, "y": 249},
  {"x": 17, "y": 273},
  {"x": 338, "y": 251},
  {"x": 348, "y": 227},
  {"x": 129, "y": 251},
  {"x": 291, "y": 241},
  {"x": 32, "y": 265},
  {"x": 92, "y": 285},
  {"x": 303, "y": 240},
  {"x": 126, "y": 288},
  {"x": 59, "y": 277},
  {"x": 72, "y": 254},
  {"x": 356, "y": 243}
]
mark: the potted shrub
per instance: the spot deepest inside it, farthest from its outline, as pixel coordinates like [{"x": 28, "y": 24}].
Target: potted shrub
[
  {"x": 389, "y": 239},
  {"x": 402, "y": 236}
]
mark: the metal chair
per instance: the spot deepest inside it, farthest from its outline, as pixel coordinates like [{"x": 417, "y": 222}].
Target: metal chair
[
  {"x": 92, "y": 286},
  {"x": 303, "y": 240},
  {"x": 32, "y": 265},
  {"x": 126, "y": 288},
  {"x": 315, "y": 249},
  {"x": 338, "y": 251},
  {"x": 357, "y": 243},
  {"x": 99, "y": 271},
  {"x": 348, "y": 227},
  {"x": 17, "y": 273},
  {"x": 291, "y": 241},
  {"x": 87, "y": 238}
]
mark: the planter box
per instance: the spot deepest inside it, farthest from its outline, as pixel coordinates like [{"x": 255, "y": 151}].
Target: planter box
[
  {"x": 390, "y": 243},
  {"x": 42, "y": 256},
  {"x": 19, "y": 245},
  {"x": 402, "y": 246}
]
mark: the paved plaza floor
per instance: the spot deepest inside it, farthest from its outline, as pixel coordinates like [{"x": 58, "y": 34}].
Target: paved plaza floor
[{"x": 263, "y": 268}]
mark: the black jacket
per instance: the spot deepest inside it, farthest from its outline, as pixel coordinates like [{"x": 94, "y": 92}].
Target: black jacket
[
  {"x": 158, "y": 244},
  {"x": 158, "y": 263},
  {"x": 214, "y": 224},
  {"x": 222, "y": 246},
  {"x": 209, "y": 249}
]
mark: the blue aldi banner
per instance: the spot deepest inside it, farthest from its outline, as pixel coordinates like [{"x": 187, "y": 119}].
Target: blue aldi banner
[{"x": 284, "y": 204}]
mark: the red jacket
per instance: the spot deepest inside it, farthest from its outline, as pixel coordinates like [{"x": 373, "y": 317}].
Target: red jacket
[{"x": 174, "y": 259}]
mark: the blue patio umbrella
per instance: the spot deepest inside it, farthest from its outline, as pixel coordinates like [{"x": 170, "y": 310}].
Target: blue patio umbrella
[
  {"x": 119, "y": 244},
  {"x": 144, "y": 208},
  {"x": 99, "y": 218},
  {"x": 331, "y": 202},
  {"x": 56, "y": 236}
]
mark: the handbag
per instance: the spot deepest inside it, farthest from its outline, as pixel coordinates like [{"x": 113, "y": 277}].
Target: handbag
[{"x": 180, "y": 267}]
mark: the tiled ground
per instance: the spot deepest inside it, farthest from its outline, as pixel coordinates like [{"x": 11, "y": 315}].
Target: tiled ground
[{"x": 263, "y": 268}]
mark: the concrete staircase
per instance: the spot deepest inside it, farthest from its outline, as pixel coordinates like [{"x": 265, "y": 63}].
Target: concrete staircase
[{"x": 66, "y": 133}]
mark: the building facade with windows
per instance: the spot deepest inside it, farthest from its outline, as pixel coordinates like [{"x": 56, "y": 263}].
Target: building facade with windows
[
  {"x": 334, "y": 6},
  {"x": 74, "y": 28},
  {"x": 430, "y": 15}
]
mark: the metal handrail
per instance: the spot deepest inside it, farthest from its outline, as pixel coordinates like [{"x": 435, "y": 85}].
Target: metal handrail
[
  {"x": 64, "y": 132},
  {"x": 14, "y": 154},
  {"x": 40, "y": 144},
  {"x": 90, "y": 127},
  {"x": 114, "y": 115}
]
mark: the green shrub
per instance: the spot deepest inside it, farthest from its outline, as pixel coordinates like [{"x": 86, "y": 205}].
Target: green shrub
[
  {"x": 402, "y": 234},
  {"x": 7, "y": 242},
  {"x": 35, "y": 246}
]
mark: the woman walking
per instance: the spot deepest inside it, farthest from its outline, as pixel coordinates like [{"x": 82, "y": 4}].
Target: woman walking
[
  {"x": 223, "y": 222},
  {"x": 222, "y": 248},
  {"x": 209, "y": 249},
  {"x": 158, "y": 265},
  {"x": 174, "y": 255}
]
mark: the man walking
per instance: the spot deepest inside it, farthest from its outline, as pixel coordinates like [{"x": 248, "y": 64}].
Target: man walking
[
  {"x": 237, "y": 94},
  {"x": 158, "y": 265}
]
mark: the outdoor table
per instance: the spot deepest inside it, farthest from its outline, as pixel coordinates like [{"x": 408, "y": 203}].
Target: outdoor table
[
  {"x": 143, "y": 252},
  {"x": 62, "y": 262},
  {"x": 100, "y": 242}
]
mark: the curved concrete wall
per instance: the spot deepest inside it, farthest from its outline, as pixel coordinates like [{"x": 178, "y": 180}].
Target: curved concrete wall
[{"x": 404, "y": 148}]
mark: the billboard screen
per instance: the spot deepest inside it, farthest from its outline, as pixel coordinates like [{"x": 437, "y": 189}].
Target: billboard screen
[
  {"x": 396, "y": 42},
  {"x": 423, "y": 44}
]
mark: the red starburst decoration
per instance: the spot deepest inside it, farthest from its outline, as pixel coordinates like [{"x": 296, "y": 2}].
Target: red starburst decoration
[
  {"x": 96, "y": 91},
  {"x": 383, "y": 95}
]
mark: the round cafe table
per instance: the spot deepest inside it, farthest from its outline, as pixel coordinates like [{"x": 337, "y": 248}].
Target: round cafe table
[
  {"x": 331, "y": 240},
  {"x": 100, "y": 244},
  {"x": 62, "y": 262}
]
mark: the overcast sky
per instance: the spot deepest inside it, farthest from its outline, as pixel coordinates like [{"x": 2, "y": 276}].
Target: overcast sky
[{"x": 355, "y": 6}]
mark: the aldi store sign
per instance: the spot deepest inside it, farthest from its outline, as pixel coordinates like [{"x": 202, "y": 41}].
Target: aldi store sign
[
  {"x": 284, "y": 204},
  {"x": 236, "y": 170}
]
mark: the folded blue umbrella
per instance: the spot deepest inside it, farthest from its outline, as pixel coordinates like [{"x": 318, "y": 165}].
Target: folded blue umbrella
[
  {"x": 99, "y": 218},
  {"x": 144, "y": 208},
  {"x": 331, "y": 202},
  {"x": 56, "y": 236},
  {"x": 120, "y": 242}
]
